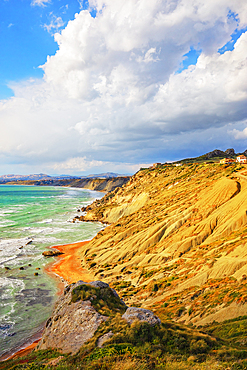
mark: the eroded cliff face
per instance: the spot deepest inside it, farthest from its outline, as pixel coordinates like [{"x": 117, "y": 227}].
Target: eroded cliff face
[{"x": 176, "y": 241}]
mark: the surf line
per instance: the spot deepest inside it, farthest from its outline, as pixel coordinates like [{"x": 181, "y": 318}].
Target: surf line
[{"x": 66, "y": 269}]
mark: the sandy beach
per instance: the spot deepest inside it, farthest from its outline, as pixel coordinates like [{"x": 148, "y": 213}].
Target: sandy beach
[
  {"x": 69, "y": 269},
  {"x": 68, "y": 265}
]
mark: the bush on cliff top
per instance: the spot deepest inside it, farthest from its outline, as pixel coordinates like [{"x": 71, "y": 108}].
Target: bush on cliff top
[{"x": 102, "y": 299}]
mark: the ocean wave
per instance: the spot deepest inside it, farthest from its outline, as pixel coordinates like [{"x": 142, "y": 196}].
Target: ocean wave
[
  {"x": 42, "y": 197},
  {"x": 5, "y": 327},
  {"x": 48, "y": 221},
  {"x": 45, "y": 240},
  {"x": 46, "y": 225},
  {"x": 47, "y": 230},
  {"x": 7, "y": 223},
  {"x": 6, "y": 212},
  {"x": 10, "y": 249},
  {"x": 13, "y": 242},
  {"x": 7, "y": 259},
  {"x": 15, "y": 208},
  {"x": 10, "y": 287}
]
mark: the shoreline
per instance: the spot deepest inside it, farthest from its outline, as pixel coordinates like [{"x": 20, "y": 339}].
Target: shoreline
[
  {"x": 68, "y": 266},
  {"x": 66, "y": 270}
]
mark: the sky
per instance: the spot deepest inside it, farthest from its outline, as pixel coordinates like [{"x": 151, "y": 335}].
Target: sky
[{"x": 111, "y": 86}]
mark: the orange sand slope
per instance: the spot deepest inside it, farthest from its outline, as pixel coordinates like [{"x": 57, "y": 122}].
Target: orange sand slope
[{"x": 69, "y": 265}]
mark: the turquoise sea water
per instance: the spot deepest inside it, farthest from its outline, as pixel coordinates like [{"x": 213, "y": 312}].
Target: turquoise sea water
[{"x": 33, "y": 218}]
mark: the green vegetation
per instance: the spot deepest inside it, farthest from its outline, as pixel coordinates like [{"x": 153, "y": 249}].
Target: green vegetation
[
  {"x": 142, "y": 347},
  {"x": 233, "y": 331},
  {"x": 102, "y": 299}
]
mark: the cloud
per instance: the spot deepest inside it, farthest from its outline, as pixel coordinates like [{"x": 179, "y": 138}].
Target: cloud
[
  {"x": 40, "y": 2},
  {"x": 112, "y": 94},
  {"x": 81, "y": 3},
  {"x": 81, "y": 164},
  {"x": 211, "y": 93},
  {"x": 78, "y": 164},
  {"x": 55, "y": 24},
  {"x": 239, "y": 135}
]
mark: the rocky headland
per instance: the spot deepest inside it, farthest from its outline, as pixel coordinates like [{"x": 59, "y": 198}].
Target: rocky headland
[
  {"x": 92, "y": 328},
  {"x": 81, "y": 310}
]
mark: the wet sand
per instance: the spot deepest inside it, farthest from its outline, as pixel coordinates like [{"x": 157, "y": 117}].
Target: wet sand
[
  {"x": 22, "y": 352},
  {"x": 68, "y": 269}
]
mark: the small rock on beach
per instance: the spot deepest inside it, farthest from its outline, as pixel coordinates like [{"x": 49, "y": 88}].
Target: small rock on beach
[{"x": 51, "y": 253}]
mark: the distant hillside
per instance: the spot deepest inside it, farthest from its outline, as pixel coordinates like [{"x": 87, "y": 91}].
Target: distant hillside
[
  {"x": 43, "y": 177},
  {"x": 214, "y": 156},
  {"x": 98, "y": 184},
  {"x": 105, "y": 175},
  {"x": 33, "y": 177}
]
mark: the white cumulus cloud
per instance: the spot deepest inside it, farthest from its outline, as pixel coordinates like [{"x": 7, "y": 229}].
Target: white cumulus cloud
[
  {"x": 112, "y": 93},
  {"x": 238, "y": 134}
]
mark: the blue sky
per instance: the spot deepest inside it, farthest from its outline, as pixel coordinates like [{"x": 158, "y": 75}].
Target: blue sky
[
  {"x": 99, "y": 85},
  {"x": 25, "y": 37}
]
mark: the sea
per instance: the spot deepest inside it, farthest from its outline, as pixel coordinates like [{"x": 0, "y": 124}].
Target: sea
[{"x": 33, "y": 218}]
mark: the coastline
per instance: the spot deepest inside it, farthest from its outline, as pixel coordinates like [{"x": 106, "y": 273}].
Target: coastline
[
  {"x": 68, "y": 266},
  {"x": 67, "y": 269}
]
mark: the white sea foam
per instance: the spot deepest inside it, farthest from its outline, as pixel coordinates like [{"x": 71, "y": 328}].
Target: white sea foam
[
  {"x": 11, "y": 286},
  {"x": 48, "y": 221},
  {"x": 47, "y": 240},
  {"x": 7, "y": 223},
  {"x": 48, "y": 230},
  {"x": 5, "y": 259},
  {"x": 16, "y": 208},
  {"x": 46, "y": 225},
  {"x": 3, "y": 213},
  {"x": 11, "y": 249},
  {"x": 6, "y": 324}
]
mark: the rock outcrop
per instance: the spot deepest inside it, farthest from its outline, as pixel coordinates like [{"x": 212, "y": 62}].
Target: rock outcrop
[
  {"x": 230, "y": 152},
  {"x": 51, "y": 253},
  {"x": 141, "y": 314},
  {"x": 215, "y": 153},
  {"x": 78, "y": 314},
  {"x": 71, "y": 324},
  {"x": 104, "y": 338}
]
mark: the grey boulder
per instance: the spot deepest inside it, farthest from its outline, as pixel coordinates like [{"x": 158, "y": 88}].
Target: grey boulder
[{"x": 134, "y": 313}]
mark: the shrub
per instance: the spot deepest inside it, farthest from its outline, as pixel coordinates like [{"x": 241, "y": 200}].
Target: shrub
[
  {"x": 198, "y": 346},
  {"x": 111, "y": 350},
  {"x": 155, "y": 288},
  {"x": 102, "y": 299}
]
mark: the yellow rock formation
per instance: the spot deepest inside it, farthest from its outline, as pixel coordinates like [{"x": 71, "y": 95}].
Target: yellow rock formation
[{"x": 176, "y": 240}]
